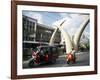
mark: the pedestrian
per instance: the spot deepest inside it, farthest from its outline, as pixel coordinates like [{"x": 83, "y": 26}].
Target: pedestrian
[
  {"x": 73, "y": 52},
  {"x": 71, "y": 56}
]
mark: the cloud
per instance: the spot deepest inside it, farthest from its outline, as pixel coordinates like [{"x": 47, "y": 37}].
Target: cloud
[
  {"x": 86, "y": 34},
  {"x": 66, "y": 19},
  {"x": 34, "y": 15},
  {"x": 63, "y": 15},
  {"x": 38, "y": 17},
  {"x": 72, "y": 23},
  {"x": 85, "y": 37}
]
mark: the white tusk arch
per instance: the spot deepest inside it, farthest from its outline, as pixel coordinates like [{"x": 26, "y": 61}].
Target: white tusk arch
[
  {"x": 78, "y": 34},
  {"x": 66, "y": 36},
  {"x": 52, "y": 39}
]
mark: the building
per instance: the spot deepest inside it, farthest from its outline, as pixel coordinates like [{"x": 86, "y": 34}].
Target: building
[
  {"x": 35, "y": 33},
  {"x": 44, "y": 33},
  {"x": 29, "y": 28}
]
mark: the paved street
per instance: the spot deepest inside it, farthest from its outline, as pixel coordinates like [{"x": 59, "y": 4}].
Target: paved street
[{"x": 82, "y": 59}]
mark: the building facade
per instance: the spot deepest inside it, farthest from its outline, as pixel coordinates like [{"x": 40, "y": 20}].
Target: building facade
[
  {"x": 35, "y": 32},
  {"x": 29, "y": 28}
]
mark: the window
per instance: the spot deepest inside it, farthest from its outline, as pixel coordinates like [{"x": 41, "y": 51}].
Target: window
[{"x": 54, "y": 49}]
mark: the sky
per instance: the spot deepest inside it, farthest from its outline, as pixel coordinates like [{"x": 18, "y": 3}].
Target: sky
[{"x": 52, "y": 19}]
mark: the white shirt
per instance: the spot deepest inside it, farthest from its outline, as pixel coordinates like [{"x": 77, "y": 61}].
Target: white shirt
[{"x": 73, "y": 52}]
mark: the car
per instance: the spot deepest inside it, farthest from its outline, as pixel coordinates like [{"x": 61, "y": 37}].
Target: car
[{"x": 44, "y": 54}]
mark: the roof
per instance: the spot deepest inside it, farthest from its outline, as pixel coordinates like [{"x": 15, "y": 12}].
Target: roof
[
  {"x": 29, "y": 18},
  {"x": 45, "y": 26},
  {"x": 46, "y": 46},
  {"x": 42, "y": 25}
]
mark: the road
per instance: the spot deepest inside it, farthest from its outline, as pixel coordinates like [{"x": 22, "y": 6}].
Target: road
[{"x": 82, "y": 59}]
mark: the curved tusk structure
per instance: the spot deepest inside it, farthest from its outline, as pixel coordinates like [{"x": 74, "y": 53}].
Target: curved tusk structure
[
  {"x": 52, "y": 39},
  {"x": 78, "y": 34},
  {"x": 67, "y": 38}
]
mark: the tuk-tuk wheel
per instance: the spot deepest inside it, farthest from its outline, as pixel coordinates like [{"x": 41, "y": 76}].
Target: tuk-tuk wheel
[
  {"x": 31, "y": 63},
  {"x": 74, "y": 61},
  {"x": 68, "y": 62},
  {"x": 53, "y": 61}
]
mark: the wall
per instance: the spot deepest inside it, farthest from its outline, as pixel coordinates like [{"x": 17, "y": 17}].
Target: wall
[{"x": 5, "y": 41}]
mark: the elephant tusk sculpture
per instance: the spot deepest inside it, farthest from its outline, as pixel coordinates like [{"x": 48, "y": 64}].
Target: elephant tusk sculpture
[
  {"x": 78, "y": 34},
  {"x": 68, "y": 41}
]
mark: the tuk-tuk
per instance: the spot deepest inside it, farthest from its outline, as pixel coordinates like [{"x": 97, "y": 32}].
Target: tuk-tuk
[{"x": 43, "y": 54}]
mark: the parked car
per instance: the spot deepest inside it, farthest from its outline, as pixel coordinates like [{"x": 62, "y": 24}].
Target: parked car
[{"x": 43, "y": 54}]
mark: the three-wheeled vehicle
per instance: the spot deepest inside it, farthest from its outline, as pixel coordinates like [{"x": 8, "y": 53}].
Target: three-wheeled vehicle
[{"x": 43, "y": 54}]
